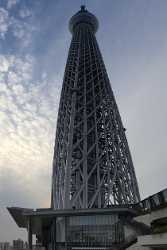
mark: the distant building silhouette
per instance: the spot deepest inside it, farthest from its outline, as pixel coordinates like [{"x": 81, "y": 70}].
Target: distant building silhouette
[
  {"x": 4, "y": 246},
  {"x": 18, "y": 244}
]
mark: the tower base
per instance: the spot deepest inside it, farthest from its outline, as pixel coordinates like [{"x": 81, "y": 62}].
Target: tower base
[
  {"x": 80, "y": 229},
  {"x": 134, "y": 227}
]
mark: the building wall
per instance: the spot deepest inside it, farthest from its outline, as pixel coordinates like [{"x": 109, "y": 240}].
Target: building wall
[
  {"x": 155, "y": 240},
  {"x": 153, "y": 215},
  {"x": 137, "y": 246}
]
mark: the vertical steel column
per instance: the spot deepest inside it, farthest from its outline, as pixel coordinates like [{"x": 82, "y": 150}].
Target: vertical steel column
[{"x": 30, "y": 233}]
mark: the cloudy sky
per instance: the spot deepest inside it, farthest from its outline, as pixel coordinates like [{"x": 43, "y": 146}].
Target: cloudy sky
[{"x": 34, "y": 41}]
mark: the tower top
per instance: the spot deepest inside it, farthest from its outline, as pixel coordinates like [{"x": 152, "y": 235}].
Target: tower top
[
  {"x": 83, "y": 8},
  {"x": 83, "y": 16}
]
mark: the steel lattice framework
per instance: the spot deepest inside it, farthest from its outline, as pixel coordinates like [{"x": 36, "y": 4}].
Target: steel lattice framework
[{"x": 92, "y": 163}]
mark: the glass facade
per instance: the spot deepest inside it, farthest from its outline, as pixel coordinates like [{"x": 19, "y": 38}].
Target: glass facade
[{"x": 89, "y": 230}]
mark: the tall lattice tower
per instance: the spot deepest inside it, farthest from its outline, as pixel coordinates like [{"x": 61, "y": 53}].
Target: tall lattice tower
[{"x": 92, "y": 163}]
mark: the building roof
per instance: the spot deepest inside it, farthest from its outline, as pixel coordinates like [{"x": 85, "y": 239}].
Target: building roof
[{"x": 43, "y": 217}]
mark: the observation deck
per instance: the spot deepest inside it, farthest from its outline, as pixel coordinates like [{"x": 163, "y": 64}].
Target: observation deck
[{"x": 83, "y": 16}]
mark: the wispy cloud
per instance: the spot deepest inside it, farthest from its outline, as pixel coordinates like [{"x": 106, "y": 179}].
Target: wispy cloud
[
  {"x": 4, "y": 22},
  {"x": 11, "y": 3},
  {"x": 27, "y": 124},
  {"x": 25, "y": 12},
  {"x": 22, "y": 30}
]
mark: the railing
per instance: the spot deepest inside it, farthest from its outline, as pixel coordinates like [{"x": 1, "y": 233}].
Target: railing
[{"x": 153, "y": 202}]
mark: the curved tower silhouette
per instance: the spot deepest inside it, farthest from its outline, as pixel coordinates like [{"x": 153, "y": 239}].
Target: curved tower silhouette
[{"x": 92, "y": 164}]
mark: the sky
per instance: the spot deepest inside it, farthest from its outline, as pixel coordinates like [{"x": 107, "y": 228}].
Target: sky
[{"x": 34, "y": 42}]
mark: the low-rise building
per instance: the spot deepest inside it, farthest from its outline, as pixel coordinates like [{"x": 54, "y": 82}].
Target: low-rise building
[
  {"x": 18, "y": 244},
  {"x": 4, "y": 246}
]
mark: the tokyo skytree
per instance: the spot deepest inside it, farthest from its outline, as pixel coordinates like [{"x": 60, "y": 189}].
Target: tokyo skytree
[{"x": 92, "y": 165}]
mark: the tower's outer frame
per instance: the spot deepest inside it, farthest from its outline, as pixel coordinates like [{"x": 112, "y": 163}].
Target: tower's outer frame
[{"x": 92, "y": 164}]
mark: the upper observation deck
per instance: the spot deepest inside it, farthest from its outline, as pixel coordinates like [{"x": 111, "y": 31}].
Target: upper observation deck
[{"x": 83, "y": 16}]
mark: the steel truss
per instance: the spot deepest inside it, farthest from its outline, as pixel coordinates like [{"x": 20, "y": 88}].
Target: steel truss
[{"x": 92, "y": 163}]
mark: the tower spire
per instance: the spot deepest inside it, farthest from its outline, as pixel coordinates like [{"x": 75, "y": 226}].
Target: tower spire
[{"x": 83, "y": 7}]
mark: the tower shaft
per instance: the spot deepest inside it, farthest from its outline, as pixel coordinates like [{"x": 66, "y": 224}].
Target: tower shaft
[{"x": 92, "y": 163}]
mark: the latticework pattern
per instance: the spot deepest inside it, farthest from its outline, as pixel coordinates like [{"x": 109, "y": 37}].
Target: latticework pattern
[{"x": 92, "y": 162}]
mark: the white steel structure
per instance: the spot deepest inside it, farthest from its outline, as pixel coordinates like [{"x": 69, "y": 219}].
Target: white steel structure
[{"x": 92, "y": 165}]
